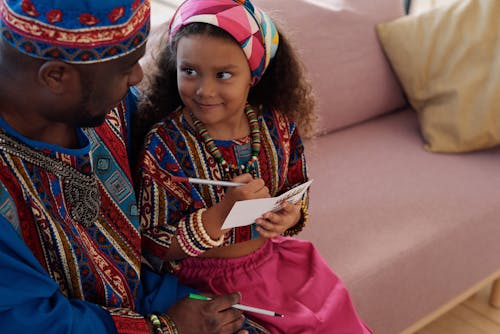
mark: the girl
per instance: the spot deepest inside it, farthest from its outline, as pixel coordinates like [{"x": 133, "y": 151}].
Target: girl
[{"x": 230, "y": 87}]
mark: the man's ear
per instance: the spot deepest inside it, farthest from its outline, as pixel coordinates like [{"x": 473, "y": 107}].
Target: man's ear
[{"x": 57, "y": 76}]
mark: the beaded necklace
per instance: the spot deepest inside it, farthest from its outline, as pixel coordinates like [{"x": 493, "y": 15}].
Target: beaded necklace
[{"x": 230, "y": 170}]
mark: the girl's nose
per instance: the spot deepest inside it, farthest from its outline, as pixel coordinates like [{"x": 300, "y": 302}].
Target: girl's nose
[{"x": 206, "y": 88}]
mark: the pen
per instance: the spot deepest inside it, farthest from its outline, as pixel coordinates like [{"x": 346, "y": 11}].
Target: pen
[
  {"x": 175, "y": 178},
  {"x": 240, "y": 306}
]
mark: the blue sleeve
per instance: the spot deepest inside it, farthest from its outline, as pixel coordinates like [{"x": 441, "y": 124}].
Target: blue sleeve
[
  {"x": 160, "y": 292},
  {"x": 131, "y": 101},
  {"x": 30, "y": 300}
]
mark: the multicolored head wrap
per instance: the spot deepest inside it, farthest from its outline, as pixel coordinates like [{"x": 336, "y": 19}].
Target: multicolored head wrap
[
  {"x": 75, "y": 31},
  {"x": 249, "y": 26}
]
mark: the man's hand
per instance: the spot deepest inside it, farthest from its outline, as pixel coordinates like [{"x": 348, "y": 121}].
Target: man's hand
[{"x": 212, "y": 316}]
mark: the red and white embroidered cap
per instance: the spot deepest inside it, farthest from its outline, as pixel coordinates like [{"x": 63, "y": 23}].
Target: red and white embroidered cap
[{"x": 75, "y": 31}]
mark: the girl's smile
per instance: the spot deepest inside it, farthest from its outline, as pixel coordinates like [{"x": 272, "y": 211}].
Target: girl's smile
[{"x": 208, "y": 106}]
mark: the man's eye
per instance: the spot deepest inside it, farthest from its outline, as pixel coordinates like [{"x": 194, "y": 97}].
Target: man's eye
[{"x": 224, "y": 75}]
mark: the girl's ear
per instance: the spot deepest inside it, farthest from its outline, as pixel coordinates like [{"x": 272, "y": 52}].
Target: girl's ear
[{"x": 57, "y": 76}]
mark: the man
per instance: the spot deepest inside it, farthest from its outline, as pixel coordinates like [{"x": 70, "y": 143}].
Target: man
[{"x": 69, "y": 236}]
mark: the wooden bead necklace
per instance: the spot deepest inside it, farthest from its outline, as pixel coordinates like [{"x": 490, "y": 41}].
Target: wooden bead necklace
[{"x": 229, "y": 170}]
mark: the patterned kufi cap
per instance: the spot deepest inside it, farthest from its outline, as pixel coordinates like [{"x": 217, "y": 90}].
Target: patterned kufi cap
[
  {"x": 249, "y": 26},
  {"x": 75, "y": 31}
]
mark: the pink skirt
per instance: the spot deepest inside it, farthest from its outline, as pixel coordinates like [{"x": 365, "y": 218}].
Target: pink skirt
[{"x": 287, "y": 276}]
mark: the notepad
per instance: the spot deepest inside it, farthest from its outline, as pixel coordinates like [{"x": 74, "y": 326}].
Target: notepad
[{"x": 246, "y": 212}]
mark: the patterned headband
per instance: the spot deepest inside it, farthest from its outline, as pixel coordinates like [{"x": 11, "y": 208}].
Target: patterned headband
[
  {"x": 249, "y": 26},
  {"x": 75, "y": 31}
]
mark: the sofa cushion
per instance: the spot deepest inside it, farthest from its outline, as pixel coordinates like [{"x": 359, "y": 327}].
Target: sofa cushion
[
  {"x": 448, "y": 62},
  {"x": 407, "y": 230},
  {"x": 337, "y": 41}
]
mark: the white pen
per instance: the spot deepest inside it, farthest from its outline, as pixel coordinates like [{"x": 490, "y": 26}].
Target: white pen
[
  {"x": 175, "y": 178},
  {"x": 240, "y": 306},
  {"x": 257, "y": 310}
]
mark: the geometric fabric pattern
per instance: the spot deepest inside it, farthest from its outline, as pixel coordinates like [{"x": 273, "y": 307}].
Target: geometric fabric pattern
[
  {"x": 247, "y": 24},
  {"x": 75, "y": 31},
  {"x": 174, "y": 148}
]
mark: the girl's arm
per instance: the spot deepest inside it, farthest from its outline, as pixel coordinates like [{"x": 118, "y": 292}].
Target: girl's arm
[{"x": 175, "y": 222}]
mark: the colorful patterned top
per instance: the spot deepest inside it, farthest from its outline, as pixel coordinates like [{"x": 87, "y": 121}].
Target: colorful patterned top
[
  {"x": 173, "y": 147},
  {"x": 56, "y": 271}
]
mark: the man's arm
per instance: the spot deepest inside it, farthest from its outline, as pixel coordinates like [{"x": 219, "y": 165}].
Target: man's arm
[{"x": 31, "y": 301}]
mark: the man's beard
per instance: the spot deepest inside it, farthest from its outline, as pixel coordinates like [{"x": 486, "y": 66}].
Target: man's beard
[{"x": 85, "y": 118}]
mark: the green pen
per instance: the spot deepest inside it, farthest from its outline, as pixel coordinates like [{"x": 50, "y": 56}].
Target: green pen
[{"x": 240, "y": 306}]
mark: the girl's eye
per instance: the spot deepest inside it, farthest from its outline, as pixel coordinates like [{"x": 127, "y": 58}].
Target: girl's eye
[
  {"x": 224, "y": 75},
  {"x": 188, "y": 71}
]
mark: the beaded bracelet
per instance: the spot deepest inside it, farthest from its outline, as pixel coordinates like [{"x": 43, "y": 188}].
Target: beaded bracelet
[
  {"x": 204, "y": 234},
  {"x": 158, "y": 328},
  {"x": 169, "y": 323},
  {"x": 304, "y": 216},
  {"x": 163, "y": 324},
  {"x": 197, "y": 233},
  {"x": 192, "y": 236},
  {"x": 183, "y": 239}
]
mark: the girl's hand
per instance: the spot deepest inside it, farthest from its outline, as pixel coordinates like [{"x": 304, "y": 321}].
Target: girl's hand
[
  {"x": 253, "y": 188},
  {"x": 273, "y": 224}
]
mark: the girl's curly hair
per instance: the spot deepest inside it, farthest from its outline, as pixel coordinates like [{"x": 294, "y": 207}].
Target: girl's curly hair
[{"x": 283, "y": 87}]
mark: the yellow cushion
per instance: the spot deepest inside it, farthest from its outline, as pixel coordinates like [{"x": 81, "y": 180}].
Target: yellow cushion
[{"x": 448, "y": 62}]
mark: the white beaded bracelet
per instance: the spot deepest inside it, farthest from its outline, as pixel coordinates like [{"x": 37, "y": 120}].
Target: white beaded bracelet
[{"x": 207, "y": 239}]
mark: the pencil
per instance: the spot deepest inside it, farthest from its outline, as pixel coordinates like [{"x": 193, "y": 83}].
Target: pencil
[
  {"x": 240, "y": 306},
  {"x": 175, "y": 178}
]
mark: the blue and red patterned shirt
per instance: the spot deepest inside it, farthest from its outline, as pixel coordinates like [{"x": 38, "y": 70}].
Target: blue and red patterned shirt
[
  {"x": 173, "y": 147},
  {"x": 57, "y": 274}
]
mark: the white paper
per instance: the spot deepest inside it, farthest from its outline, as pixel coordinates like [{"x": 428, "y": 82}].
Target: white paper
[{"x": 246, "y": 212}]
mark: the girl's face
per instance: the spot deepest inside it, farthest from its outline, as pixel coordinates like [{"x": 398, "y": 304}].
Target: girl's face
[{"x": 213, "y": 77}]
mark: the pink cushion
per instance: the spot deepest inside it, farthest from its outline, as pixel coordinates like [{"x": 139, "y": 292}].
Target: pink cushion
[
  {"x": 407, "y": 230},
  {"x": 337, "y": 41}
]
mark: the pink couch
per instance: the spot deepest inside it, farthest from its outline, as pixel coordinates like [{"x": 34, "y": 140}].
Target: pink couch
[{"x": 406, "y": 230}]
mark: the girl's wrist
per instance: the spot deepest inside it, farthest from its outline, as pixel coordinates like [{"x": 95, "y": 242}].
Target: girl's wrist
[
  {"x": 218, "y": 212},
  {"x": 301, "y": 223}
]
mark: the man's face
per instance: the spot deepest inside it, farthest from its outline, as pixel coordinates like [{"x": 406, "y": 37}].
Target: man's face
[{"x": 102, "y": 87}]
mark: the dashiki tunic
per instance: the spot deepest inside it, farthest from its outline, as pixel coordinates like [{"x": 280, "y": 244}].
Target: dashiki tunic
[
  {"x": 285, "y": 275},
  {"x": 55, "y": 270},
  {"x": 174, "y": 148}
]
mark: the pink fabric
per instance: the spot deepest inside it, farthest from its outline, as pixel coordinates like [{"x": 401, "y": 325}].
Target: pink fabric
[
  {"x": 287, "y": 276},
  {"x": 406, "y": 230},
  {"x": 336, "y": 39}
]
